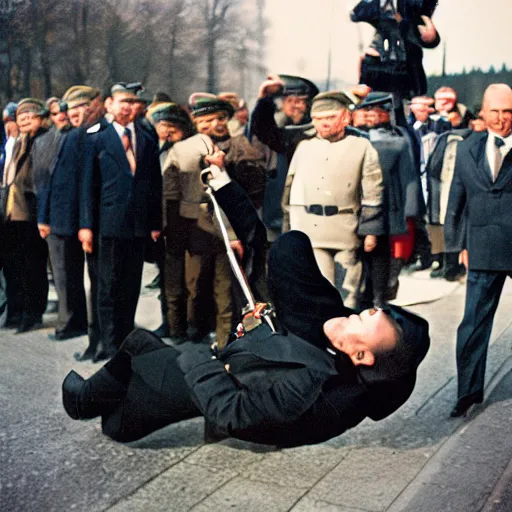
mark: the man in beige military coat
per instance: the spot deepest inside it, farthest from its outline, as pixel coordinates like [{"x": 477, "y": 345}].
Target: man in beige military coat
[{"x": 334, "y": 194}]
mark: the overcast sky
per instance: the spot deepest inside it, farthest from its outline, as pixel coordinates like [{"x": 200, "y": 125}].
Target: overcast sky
[{"x": 476, "y": 32}]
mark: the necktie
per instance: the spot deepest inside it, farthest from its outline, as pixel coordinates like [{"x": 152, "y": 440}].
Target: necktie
[
  {"x": 423, "y": 130},
  {"x": 127, "y": 144},
  {"x": 498, "y": 157}
]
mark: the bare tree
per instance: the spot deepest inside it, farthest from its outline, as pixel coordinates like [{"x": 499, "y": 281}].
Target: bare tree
[
  {"x": 215, "y": 12},
  {"x": 174, "y": 45}
]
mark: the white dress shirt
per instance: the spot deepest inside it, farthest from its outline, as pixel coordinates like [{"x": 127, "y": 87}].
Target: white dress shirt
[
  {"x": 120, "y": 131},
  {"x": 491, "y": 148}
]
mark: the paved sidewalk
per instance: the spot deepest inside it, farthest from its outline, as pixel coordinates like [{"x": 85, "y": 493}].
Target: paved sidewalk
[{"x": 416, "y": 460}]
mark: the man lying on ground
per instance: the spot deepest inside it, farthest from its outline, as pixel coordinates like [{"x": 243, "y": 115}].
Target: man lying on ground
[{"x": 323, "y": 372}]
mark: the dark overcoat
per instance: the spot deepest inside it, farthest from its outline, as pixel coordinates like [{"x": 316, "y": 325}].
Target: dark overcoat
[{"x": 402, "y": 186}]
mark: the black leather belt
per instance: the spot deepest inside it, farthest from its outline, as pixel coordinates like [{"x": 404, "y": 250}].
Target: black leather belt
[{"x": 320, "y": 209}]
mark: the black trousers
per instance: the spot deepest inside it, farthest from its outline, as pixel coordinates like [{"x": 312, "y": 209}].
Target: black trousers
[
  {"x": 483, "y": 293},
  {"x": 119, "y": 267},
  {"x": 67, "y": 257},
  {"x": 25, "y": 256}
]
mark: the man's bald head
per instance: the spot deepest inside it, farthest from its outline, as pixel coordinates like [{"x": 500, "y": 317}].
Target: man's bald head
[{"x": 497, "y": 109}]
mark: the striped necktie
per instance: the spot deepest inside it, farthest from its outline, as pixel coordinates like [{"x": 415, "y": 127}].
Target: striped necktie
[{"x": 127, "y": 144}]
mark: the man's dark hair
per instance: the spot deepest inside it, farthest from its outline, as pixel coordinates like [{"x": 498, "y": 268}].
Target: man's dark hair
[{"x": 411, "y": 347}]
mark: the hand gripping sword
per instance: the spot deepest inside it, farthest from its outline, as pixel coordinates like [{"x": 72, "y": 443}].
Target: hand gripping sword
[{"x": 253, "y": 309}]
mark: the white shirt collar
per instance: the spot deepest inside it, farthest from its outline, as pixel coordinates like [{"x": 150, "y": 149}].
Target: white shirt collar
[
  {"x": 120, "y": 131},
  {"x": 491, "y": 148}
]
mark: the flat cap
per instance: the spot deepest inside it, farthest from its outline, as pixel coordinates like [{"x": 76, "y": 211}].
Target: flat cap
[
  {"x": 384, "y": 100},
  {"x": 203, "y": 103},
  {"x": 80, "y": 95},
  {"x": 331, "y": 101},
  {"x": 298, "y": 86},
  {"x": 169, "y": 112},
  {"x": 32, "y": 105},
  {"x": 126, "y": 88}
]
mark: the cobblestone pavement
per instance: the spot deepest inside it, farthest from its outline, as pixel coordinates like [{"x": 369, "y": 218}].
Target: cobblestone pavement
[{"x": 417, "y": 460}]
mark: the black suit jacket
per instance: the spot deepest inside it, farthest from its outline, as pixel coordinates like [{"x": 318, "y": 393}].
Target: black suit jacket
[
  {"x": 479, "y": 216},
  {"x": 114, "y": 202}
]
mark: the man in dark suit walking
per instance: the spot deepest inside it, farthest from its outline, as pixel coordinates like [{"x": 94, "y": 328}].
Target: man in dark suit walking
[
  {"x": 322, "y": 373},
  {"x": 121, "y": 206},
  {"x": 482, "y": 189}
]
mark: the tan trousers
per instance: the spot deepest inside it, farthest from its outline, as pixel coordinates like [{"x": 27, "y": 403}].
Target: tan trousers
[
  {"x": 344, "y": 270},
  {"x": 207, "y": 273},
  {"x": 436, "y": 233}
]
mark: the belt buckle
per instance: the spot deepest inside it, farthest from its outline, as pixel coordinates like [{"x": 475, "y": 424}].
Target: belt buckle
[{"x": 315, "y": 209}]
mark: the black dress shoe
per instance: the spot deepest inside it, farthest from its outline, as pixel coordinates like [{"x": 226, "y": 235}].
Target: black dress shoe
[
  {"x": 66, "y": 335},
  {"x": 29, "y": 325},
  {"x": 88, "y": 355},
  {"x": 85, "y": 399},
  {"x": 463, "y": 404},
  {"x": 454, "y": 272}
]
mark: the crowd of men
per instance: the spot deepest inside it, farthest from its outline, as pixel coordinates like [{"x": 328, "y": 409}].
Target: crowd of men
[{"x": 113, "y": 181}]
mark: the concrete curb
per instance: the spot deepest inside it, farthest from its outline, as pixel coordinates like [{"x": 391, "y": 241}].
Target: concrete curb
[{"x": 470, "y": 463}]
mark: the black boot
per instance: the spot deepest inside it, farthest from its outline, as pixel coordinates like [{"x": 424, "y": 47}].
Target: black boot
[{"x": 85, "y": 399}]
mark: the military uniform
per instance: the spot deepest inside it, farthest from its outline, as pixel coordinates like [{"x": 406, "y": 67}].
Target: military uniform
[
  {"x": 189, "y": 228},
  {"x": 333, "y": 193}
]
